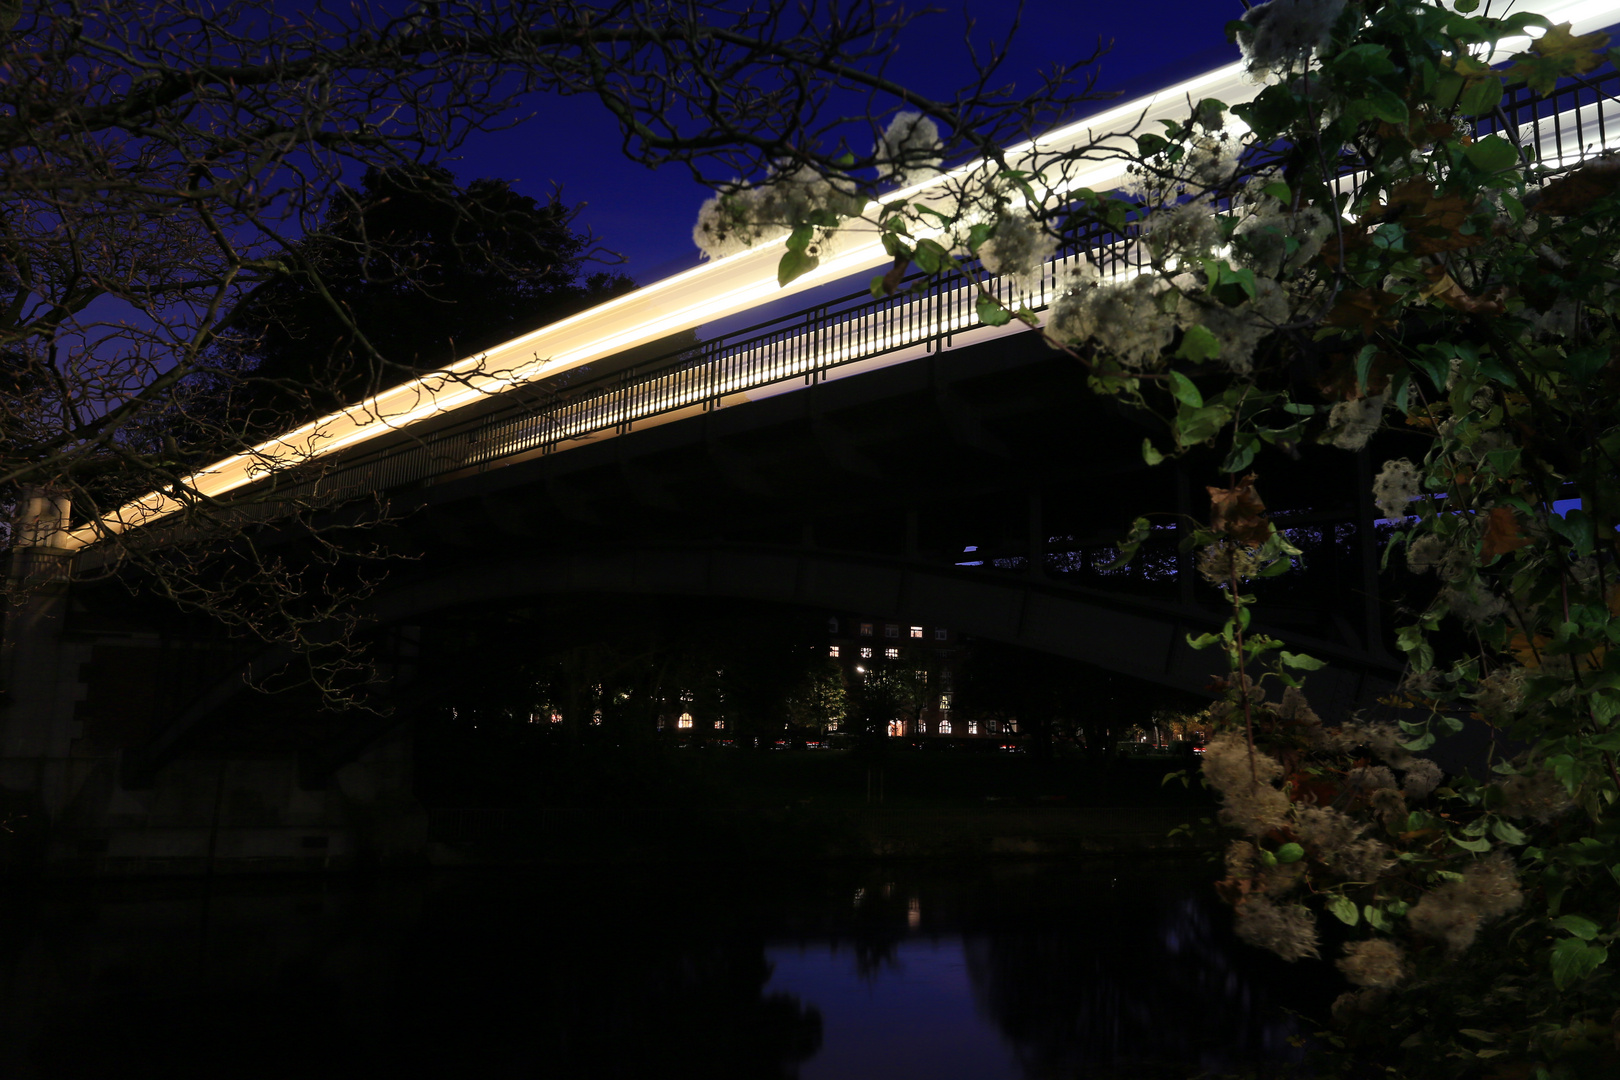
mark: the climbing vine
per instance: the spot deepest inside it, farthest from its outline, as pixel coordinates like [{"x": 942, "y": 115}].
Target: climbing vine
[{"x": 1370, "y": 243}]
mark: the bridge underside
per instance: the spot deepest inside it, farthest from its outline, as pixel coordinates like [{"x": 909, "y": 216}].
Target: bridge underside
[
  {"x": 979, "y": 488},
  {"x": 874, "y": 494}
]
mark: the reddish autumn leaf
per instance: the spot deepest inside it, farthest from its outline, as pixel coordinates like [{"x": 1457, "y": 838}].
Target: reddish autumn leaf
[
  {"x": 1431, "y": 222},
  {"x": 1367, "y": 310},
  {"x": 1557, "y": 53},
  {"x": 1502, "y": 534},
  {"x": 1445, "y": 289},
  {"x": 1574, "y": 192},
  {"x": 1239, "y": 513},
  {"x": 1339, "y": 380}
]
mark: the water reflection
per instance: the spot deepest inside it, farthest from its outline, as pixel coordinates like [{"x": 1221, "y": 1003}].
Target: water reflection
[{"x": 1035, "y": 971}]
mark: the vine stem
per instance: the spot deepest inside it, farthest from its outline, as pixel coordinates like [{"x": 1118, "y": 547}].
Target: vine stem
[{"x": 1243, "y": 679}]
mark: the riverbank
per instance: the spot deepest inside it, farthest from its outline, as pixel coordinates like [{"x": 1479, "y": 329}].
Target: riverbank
[
  {"x": 470, "y": 837},
  {"x": 674, "y": 807}
]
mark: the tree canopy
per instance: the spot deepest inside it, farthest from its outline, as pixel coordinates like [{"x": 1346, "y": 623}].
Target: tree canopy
[
  {"x": 193, "y": 188},
  {"x": 400, "y": 279}
]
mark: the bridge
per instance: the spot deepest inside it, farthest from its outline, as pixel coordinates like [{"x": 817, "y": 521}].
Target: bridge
[{"x": 887, "y": 455}]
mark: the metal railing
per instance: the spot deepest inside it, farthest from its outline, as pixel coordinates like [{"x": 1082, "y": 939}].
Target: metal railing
[{"x": 808, "y": 345}]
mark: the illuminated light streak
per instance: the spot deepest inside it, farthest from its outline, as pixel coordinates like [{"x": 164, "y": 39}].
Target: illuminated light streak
[{"x": 714, "y": 290}]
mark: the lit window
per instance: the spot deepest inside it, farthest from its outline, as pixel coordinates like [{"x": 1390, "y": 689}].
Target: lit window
[
  {"x": 832, "y": 651},
  {"x": 939, "y": 633},
  {"x": 686, "y": 695},
  {"x": 892, "y": 654},
  {"x": 922, "y": 727},
  {"x": 896, "y": 729},
  {"x": 973, "y": 727},
  {"x": 944, "y": 701},
  {"x": 992, "y": 724},
  {"x": 685, "y": 721},
  {"x": 866, "y": 652},
  {"x": 719, "y": 725},
  {"x": 891, "y": 631},
  {"x": 866, "y": 629},
  {"x": 916, "y": 631},
  {"x": 944, "y": 727}
]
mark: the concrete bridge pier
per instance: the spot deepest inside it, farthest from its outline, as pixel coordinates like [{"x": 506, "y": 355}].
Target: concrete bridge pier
[{"x": 77, "y": 699}]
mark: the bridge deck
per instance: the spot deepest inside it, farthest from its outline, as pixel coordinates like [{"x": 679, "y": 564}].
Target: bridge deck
[{"x": 515, "y": 408}]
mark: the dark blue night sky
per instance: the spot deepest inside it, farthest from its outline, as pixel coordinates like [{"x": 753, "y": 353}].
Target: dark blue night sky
[{"x": 647, "y": 215}]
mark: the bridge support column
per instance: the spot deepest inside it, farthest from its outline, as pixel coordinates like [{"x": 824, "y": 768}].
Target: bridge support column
[
  {"x": 39, "y": 669},
  {"x": 1037, "y": 537}
]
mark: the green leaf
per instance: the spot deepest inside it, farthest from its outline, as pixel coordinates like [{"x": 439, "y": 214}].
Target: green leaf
[
  {"x": 1290, "y": 853},
  {"x": 1579, "y": 925},
  {"x": 1344, "y": 909},
  {"x": 1481, "y": 97},
  {"x": 930, "y": 257},
  {"x": 1508, "y": 834},
  {"x": 1375, "y": 917},
  {"x": 879, "y": 286},
  {"x": 1149, "y": 453},
  {"x": 1492, "y": 154},
  {"x": 1140, "y": 530},
  {"x": 1481, "y": 845},
  {"x": 1183, "y": 390},
  {"x": 1230, "y": 286},
  {"x": 1279, "y": 191},
  {"x": 794, "y": 264},
  {"x": 978, "y": 234},
  {"x": 1573, "y": 960},
  {"x": 1194, "y": 426},
  {"x": 1476, "y": 1033},
  {"x": 1198, "y": 344},
  {"x": 1301, "y": 661},
  {"x": 1364, "y": 362},
  {"x": 1243, "y": 451},
  {"x": 800, "y": 237},
  {"x": 991, "y": 312},
  {"x": 1584, "y": 364},
  {"x": 1388, "y": 106}
]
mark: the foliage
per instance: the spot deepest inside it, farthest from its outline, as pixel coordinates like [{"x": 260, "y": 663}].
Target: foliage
[
  {"x": 820, "y": 701},
  {"x": 175, "y": 182},
  {"x": 891, "y": 690},
  {"x": 402, "y": 278},
  {"x": 1375, "y": 242}
]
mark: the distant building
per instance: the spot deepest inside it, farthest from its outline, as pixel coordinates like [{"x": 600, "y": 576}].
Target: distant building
[{"x": 862, "y": 644}]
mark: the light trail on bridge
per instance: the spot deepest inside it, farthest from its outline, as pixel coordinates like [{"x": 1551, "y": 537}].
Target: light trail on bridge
[{"x": 738, "y": 282}]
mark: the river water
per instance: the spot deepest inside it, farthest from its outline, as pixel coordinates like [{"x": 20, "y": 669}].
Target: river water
[{"x": 1105, "y": 970}]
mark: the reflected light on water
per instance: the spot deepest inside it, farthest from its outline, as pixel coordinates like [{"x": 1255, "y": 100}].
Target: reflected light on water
[{"x": 916, "y": 1020}]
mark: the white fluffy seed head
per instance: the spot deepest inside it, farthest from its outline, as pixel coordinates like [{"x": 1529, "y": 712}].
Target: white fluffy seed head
[
  {"x": 1352, "y": 423},
  {"x": 909, "y": 150},
  {"x": 1287, "y": 32},
  {"x": 1397, "y": 484},
  {"x": 1019, "y": 249}
]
